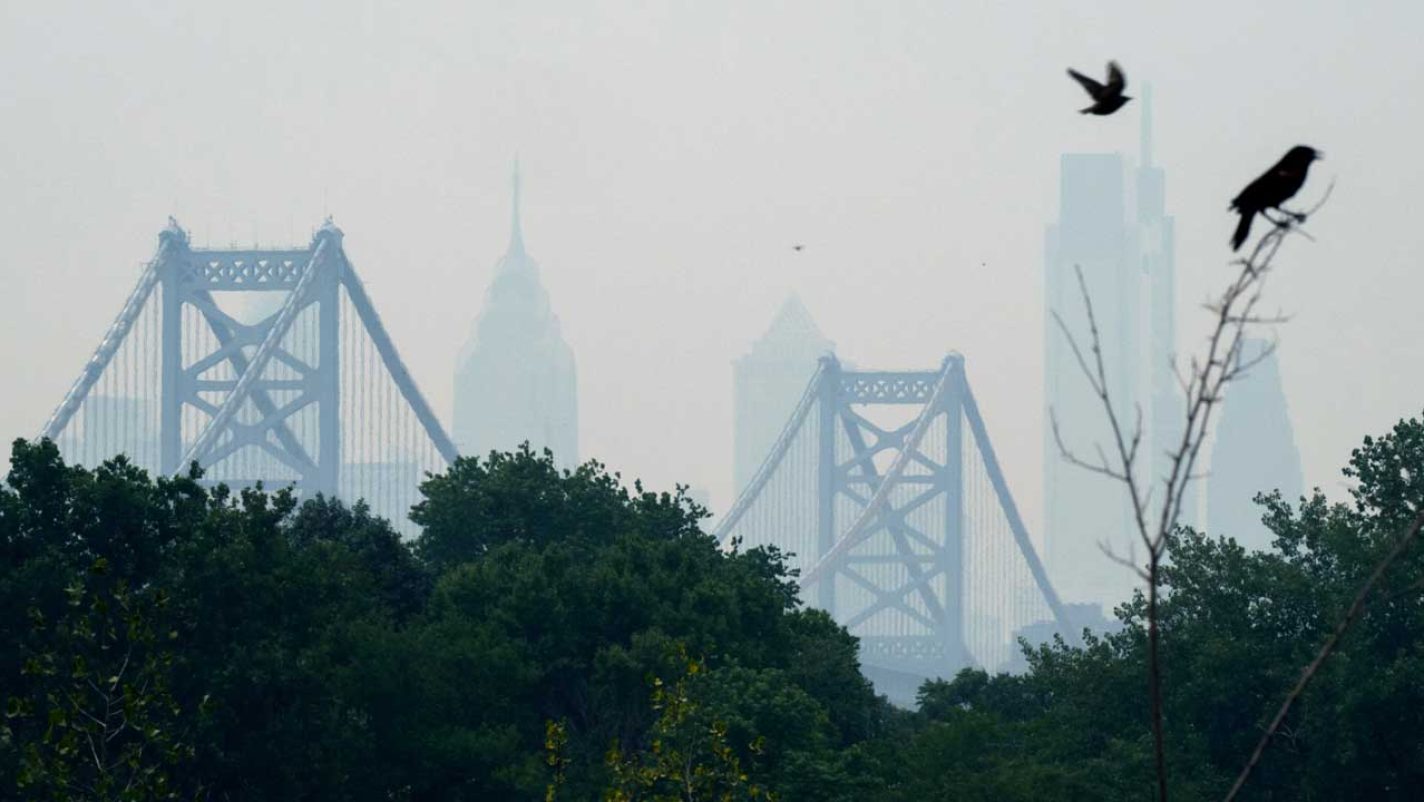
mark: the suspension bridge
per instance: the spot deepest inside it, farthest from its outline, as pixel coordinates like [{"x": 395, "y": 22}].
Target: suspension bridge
[
  {"x": 885, "y": 489},
  {"x": 273, "y": 366},
  {"x": 264, "y": 366}
]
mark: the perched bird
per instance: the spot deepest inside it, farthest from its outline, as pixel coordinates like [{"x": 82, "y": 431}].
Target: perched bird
[
  {"x": 1276, "y": 186},
  {"x": 1107, "y": 98}
]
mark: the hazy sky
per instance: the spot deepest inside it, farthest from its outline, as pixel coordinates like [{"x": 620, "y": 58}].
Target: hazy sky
[{"x": 673, "y": 152}]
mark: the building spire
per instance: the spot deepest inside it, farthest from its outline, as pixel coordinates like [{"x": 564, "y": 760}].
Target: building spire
[
  {"x": 1146, "y": 141},
  {"x": 516, "y": 235}
]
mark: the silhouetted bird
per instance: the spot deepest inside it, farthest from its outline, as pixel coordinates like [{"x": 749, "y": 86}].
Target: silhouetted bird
[
  {"x": 1276, "y": 186},
  {"x": 1107, "y": 98}
]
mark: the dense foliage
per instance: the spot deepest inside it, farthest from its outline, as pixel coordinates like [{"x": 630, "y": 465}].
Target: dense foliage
[
  {"x": 1238, "y": 626},
  {"x": 305, "y": 652},
  {"x": 558, "y": 632}
]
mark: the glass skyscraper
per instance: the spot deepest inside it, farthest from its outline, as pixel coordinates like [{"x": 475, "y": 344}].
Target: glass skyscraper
[{"x": 1112, "y": 226}]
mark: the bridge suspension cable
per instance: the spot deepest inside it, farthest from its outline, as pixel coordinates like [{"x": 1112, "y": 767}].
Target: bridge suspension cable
[
  {"x": 884, "y": 493},
  {"x": 308, "y": 392}
]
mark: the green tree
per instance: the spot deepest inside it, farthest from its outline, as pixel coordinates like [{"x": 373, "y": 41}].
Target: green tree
[
  {"x": 338, "y": 662},
  {"x": 522, "y": 497},
  {"x": 268, "y": 605},
  {"x": 96, "y": 720},
  {"x": 593, "y": 586},
  {"x": 1238, "y": 626},
  {"x": 689, "y": 755}
]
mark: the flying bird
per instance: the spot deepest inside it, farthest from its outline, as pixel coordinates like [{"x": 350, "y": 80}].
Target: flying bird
[
  {"x": 1107, "y": 98},
  {"x": 1275, "y": 186}
]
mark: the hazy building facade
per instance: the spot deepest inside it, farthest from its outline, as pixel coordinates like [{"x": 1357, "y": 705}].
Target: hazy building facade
[
  {"x": 1154, "y": 249},
  {"x": 1113, "y": 226},
  {"x": 515, "y": 380},
  {"x": 768, "y": 381},
  {"x": 1253, "y": 451}
]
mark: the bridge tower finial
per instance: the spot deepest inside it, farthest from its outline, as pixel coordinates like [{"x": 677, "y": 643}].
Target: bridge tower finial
[{"x": 173, "y": 231}]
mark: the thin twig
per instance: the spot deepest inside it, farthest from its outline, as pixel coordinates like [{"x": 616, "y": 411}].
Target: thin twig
[
  {"x": 1129, "y": 561},
  {"x": 1356, "y": 607}
]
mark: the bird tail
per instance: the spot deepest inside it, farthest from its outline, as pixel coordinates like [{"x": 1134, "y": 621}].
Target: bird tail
[
  {"x": 1088, "y": 110},
  {"x": 1243, "y": 230}
]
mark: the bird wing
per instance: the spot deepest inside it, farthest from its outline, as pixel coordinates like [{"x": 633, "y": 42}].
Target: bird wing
[
  {"x": 1275, "y": 186},
  {"x": 1116, "y": 80},
  {"x": 1093, "y": 87},
  {"x": 1248, "y": 200},
  {"x": 1256, "y": 195}
]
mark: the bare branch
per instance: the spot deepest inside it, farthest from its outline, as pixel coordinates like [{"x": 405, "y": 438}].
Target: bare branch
[
  {"x": 1329, "y": 188},
  {"x": 1077, "y": 351},
  {"x": 1356, "y": 607},
  {"x": 1100, "y": 467},
  {"x": 1234, "y": 312},
  {"x": 1136, "y": 436},
  {"x": 119, "y": 675},
  {"x": 1183, "y": 383},
  {"x": 1266, "y": 353},
  {"x": 1127, "y": 461},
  {"x": 1129, "y": 561},
  {"x": 1407, "y": 589}
]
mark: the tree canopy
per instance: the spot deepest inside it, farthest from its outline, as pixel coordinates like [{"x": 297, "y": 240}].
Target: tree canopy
[
  {"x": 566, "y": 634},
  {"x": 309, "y": 653},
  {"x": 1237, "y": 627}
]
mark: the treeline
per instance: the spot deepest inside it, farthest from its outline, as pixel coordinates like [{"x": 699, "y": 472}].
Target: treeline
[{"x": 562, "y": 635}]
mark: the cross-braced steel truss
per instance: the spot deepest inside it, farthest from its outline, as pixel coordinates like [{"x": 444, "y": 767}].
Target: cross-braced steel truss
[
  {"x": 299, "y": 385},
  {"x": 885, "y": 488}
]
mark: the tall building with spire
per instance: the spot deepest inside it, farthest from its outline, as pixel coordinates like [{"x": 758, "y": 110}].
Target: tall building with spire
[
  {"x": 1155, "y": 249},
  {"x": 768, "y": 381},
  {"x": 1113, "y": 227},
  {"x": 515, "y": 379},
  {"x": 1253, "y": 451}
]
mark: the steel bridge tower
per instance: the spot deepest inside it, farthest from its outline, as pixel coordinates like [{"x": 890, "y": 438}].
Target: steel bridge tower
[
  {"x": 312, "y": 395},
  {"x": 886, "y": 491}
]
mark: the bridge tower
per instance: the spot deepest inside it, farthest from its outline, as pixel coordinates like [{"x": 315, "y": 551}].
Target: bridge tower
[
  {"x": 885, "y": 490},
  {"x": 312, "y": 395}
]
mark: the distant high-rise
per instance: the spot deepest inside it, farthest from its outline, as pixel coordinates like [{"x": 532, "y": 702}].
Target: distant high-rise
[
  {"x": 1253, "y": 451},
  {"x": 515, "y": 379},
  {"x": 1119, "y": 235},
  {"x": 1155, "y": 254},
  {"x": 769, "y": 380}
]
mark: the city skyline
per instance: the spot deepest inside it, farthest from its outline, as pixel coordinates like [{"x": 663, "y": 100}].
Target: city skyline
[
  {"x": 669, "y": 206},
  {"x": 472, "y": 400}
]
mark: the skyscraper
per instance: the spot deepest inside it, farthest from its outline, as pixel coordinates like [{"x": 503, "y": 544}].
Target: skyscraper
[
  {"x": 769, "y": 380},
  {"x": 515, "y": 380},
  {"x": 1155, "y": 249},
  {"x": 1253, "y": 451},
  {"x": 1118, "y": 233}
]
